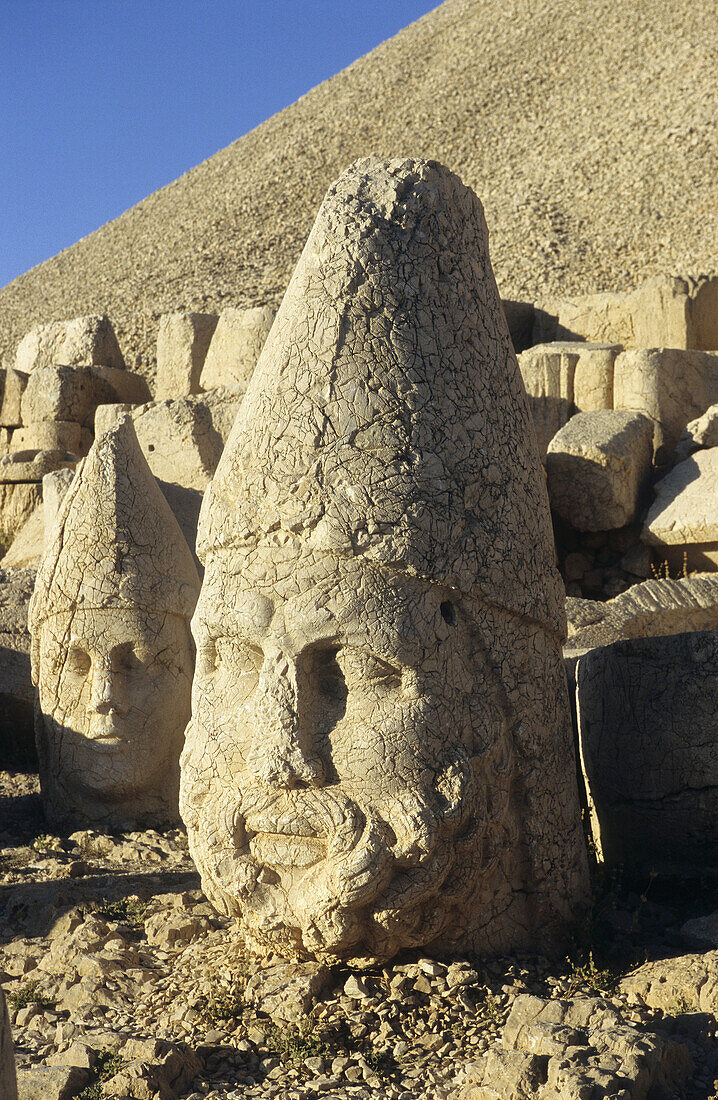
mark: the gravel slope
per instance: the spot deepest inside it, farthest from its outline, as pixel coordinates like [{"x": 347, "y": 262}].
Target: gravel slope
[{"x": 588, "y": 130}]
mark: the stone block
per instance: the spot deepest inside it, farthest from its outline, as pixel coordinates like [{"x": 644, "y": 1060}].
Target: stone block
[
  {"x": 183, "y": 340},
  {"x": 671, "y": 386},
  {"x": 699, "y": 434},
  {"x": 32, "y": 465},
  {"x": 53, "y": 435},
  {"x": 18, "y": 500},
  {"x": 564, "y": 378},
  {"x": 72, "y": 394},
  {"x": 50, "y": 1082},
  {"x": 234, "y": 350},
  {"x": 658, "y": 313},
  {"x": 54, "y": 488},
  {"x": 682, "y": 522},
  {"x": 5, "y": 440},
  {"x": 80, "y": 342},
  {"x": 648, "y": 610},
  {"x": 29, "y": 542},
  {"x": 15, "y": 383},
  {"x": 597, "y": 467},
  {"x": 648, "y": 721}
]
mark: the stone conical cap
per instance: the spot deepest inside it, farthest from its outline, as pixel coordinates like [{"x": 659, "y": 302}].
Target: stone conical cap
[
  {"x": 386, "y": 417},
  {"x": 116, "y": 542}
]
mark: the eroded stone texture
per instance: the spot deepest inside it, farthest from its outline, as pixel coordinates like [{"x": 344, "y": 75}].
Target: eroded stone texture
[
  {"x": 235, "y": 347},
  {"x": 380, "y": 754},
  {"x": 647, "y": 726},
  {"x": 111, "y": 651},
  {"x": 82, "y": 341},
  {"x": 8, "y": 1080},
  {"x": 598, "y": 466},
  {"x": 73, "y": 393},
  {"x": 183, "y": 340},
  {"x": 683, "y": 519},
  {"x": 15, "y": 383}
]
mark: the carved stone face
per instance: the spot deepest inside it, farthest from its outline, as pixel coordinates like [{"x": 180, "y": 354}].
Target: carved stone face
[
  {"x": 114, "y": 690},
  {"x": 334, "y": 772}
]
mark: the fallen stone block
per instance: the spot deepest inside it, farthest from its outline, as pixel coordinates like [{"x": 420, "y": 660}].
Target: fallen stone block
[
  {"x": 671, "y": 386},
  {"x": 685, "y": 983},
  {"x": 682, "y": 522},
  {"x": 597, "y": 467},
  {"x": 652, "y": 609},
  {"x": 53, "y": 435},
  {"x": 15, "y": 383},
  {"x": 73, "y": 393},
  {"x": 50, "y": 1082},
  {"x": 286, "y": 992},
  {"x": 562, "y": 379},
  {"x": 183, "y": 340},
  {"x": 32, "y": 465},
  {"x": 647, "y": 722},
  {"x": 80, "y": 342},
  {"x": 234, "y": 350}
]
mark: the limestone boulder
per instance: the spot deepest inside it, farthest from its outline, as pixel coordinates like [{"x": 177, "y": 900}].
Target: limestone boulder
[
  {"x": 652, "y": 609},
  {"x": 234, "y": 350},
  {"x": 647, "y": 719},
  {"x": 688, "y": 983},
  {"x": 53, "y": 435},
  {"x": 564, "y": 378},
  {"x": 15, "y": 383},
  {"x": 17, "y": 739},
  {"x": 598, "y": 466},
  {"x": 32, "y": 465},
  {"x": 671, "y": 386},
  {"x": 183, "y": 340},
  {"x": 80, "y": 342},
  {"x": 682, "y": 522},
  {"x": 73, "y": 393},
  {"x": 8, "y": 1080}
]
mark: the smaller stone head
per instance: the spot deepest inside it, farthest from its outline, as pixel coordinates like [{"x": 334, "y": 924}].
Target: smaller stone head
[{"x": 112, "y": 655}]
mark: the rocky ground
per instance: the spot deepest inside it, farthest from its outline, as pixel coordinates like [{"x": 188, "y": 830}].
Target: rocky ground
[{"x": 123, "y": 982}]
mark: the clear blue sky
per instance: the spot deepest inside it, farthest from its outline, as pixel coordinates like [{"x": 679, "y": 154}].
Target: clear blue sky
[{"x": 104, "y": 101}]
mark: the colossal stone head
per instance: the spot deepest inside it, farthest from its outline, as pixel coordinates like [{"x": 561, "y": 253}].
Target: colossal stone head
[
  {"x": 112, "y": 655},
  {"x": 379, "y": 755}
]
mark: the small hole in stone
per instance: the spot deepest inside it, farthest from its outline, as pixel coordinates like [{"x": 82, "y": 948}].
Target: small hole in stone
[
  {"x": 150, "y": 447},
  {"x": 448, "y": 612}
]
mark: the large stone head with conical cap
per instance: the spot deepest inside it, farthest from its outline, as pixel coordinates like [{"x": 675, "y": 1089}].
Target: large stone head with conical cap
[
  {"x": 112, "y": 654},
  {"x": 379, "y": 755}
]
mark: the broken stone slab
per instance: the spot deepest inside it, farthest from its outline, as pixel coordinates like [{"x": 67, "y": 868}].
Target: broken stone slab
[
  {"x": 286, "y": 992},
  {"x": 682, "y": 522},
  {"x": 685, "y": 983},
  {"x": 67, "y": 393},
  {"x": 182, "y": 438},
  {"x": 32, "y": 465},
  {"x": 647, "y": 720},
  {"x": 18, "y": 500},
  {"x": 81, "y": 342},
  {"x": 183, "y": 340},
  {"x": 563, "y": 378},
  {"x": 662, "y": 312},
  {"x": 15, "y": 383},
  {"x": 8, "y": 1080},
  {"x": 53, "y": 435},
  {"x": 50, "y": 1082},
  {"x": 235, "y": 347},
  {"x": 648, "y": 610},
  {"x": 671, "y": 386},
  {"x": 598, "y": 466}
]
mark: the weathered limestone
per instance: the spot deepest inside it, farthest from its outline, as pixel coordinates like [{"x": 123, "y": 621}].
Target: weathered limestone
[
  {"x": 73, "y": 393},
  {"x": 83, "y": 341},
  {"x": 662, "y": 312},
  {"x": 647, "y": 727},
  {"x": 235, "y": 347},
  {"x": 379, "y": 626},
  {"x": 18, "y": 500},
  {"x": 111, "y": 652},
  {"x": 28, "y": 544},
  {"x": 182, "y": 343},
  {"x": 699, "y": 434},
  {"x": 670, "y": 386},
  {"x": 15, "y": 383},
  {"x": 17, "y": 741},
  {"x": 53, "y": 435},
  {"x": 54, "y": 489},
  {"x": 683, "y": 519},
  {"x": 564, "y": 378},
  {"x": 8, "y": 1080},
  {"x": 649, "y": 610},
  {"x": 597, "y": 468}
]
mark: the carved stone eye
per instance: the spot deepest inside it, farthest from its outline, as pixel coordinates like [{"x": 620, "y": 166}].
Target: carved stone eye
[
  {"x": 78, "y": 661},
  {"x": 330, "y": 678}
]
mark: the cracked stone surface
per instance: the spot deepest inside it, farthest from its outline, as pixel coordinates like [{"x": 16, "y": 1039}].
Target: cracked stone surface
[
  {"x": 8, "y": 1083},
  {"x": 380, "y": 755},
  {"x": 111, "y": 651}
]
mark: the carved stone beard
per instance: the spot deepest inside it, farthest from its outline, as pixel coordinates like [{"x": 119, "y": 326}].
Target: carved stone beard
[{"x": 364, "y": 881}]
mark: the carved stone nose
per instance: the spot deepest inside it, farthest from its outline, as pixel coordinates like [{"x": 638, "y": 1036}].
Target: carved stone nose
[{"x": 282, "y": 752}]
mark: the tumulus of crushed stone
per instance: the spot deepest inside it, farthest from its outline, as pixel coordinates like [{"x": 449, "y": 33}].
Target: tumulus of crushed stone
[{"x": 588, "y": 130}]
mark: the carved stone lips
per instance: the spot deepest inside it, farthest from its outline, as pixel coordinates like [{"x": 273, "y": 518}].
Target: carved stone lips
[{"x": 287, "y": 824}]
